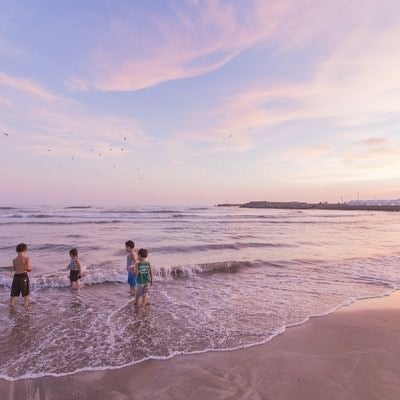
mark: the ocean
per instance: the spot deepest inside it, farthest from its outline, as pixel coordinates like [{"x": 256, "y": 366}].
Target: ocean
[{"x": 225, "y": 278}]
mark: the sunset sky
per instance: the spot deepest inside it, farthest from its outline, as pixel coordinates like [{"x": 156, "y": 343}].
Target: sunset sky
[{"x": 198, "y": 102}]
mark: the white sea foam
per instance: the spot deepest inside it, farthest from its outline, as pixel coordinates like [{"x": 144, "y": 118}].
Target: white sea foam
[{"x": 278, "y": 331}]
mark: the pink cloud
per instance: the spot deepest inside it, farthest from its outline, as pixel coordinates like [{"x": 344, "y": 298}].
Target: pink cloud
[
  {"x": 63, "y": 125},
  {"x": 355, "y": 85},
  {"x": 26, "y": 86},
  {"x": 196, "y": 39}
]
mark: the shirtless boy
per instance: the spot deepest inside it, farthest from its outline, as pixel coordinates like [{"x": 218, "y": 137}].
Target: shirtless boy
[{"x": 20, "y": 283}]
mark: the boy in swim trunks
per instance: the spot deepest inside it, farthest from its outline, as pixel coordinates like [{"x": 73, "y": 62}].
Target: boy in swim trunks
[
  {"x": 144, "y": 277},
  {"x": 20, "y": 283},
  {"x": 131, "y": 258},
  {"x": 74, "y": 267}
]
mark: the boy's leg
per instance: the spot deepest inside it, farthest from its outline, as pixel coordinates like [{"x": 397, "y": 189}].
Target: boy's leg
[
  {"x": 139, "y": 295},
  {"x": 132, "y": 283},
  {"x": 15, "y": 291},
  {"x": 26, "y": 301},
  {"x": 145, "y": 294}
]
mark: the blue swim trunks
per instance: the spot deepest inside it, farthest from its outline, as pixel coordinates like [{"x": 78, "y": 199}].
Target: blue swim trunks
[{"x": 131, "y": 279}]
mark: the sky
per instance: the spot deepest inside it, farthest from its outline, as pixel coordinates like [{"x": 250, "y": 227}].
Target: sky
[{"x": 198, "y": 102}]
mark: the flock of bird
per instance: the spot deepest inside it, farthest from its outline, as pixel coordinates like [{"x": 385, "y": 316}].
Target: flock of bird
[{"x": 5, "y": 134}]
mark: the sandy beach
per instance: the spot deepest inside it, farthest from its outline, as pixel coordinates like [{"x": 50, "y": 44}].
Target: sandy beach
[{"x": 350, "y": 354}]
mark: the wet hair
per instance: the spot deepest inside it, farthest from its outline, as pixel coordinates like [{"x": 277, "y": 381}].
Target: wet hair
[
  {"x": 73, "y": 252},
  {"x": 130, "y": 244},
  {"x": 21, "y": 247},
  {"x": 143, "y": 253}
]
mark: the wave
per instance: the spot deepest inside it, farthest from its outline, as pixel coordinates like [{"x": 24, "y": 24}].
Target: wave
[
  {"x": 208, "y": 268},
  {"x": 61, "y": 279},
  {"x": 77, "y": 207},
  {"x": 61, "y": 248},
  {"x": 55, "y": 247},
  {"x": 290, "y": 222},
  {"x": 96, "y": 274},
  {"x": 218, "y": 246},
  {"x": 114, "y": 221},
  {"x": 10, "y": 247},
  {"x": 122, "y": 211},
  {"x": 38, "y": 216},
  {"x": 47, "y": 216}
]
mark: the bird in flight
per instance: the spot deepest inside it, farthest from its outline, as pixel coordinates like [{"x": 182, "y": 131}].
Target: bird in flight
[{"x": 5, "y": 134}]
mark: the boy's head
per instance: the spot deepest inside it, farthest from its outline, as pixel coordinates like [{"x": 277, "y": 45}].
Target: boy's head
[
  {"x": 73, "y": 252},
  {"x": 22, "y": 247},
  {"x": 142, "y": 253},
  {"x": 129, "y": 245}
]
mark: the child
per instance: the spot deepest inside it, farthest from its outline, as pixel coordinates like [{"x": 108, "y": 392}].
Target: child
[
  {"x": 74, "y": 267},
  {"x": 131, "y": 258},
  {"x": 20, "y": 283},
  {"x": 144, "y": 277}
]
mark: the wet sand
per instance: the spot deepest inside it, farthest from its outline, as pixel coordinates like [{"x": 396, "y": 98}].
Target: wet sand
[{"x": 353, "y": 353}]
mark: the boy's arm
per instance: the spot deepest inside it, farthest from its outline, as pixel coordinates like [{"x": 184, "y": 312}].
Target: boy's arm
[
  {"x": 135, "y": 261},
  {"x": 28, "y": 266},
  {"x": 134, "y": 268}
]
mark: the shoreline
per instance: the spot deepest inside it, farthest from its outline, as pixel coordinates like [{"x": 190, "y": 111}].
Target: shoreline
[
  {"x": 279, "y": 331},
  {"x": 222, "y": 370}
]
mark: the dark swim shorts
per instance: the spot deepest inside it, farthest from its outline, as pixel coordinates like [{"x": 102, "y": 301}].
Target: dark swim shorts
[
  {"x": 20, "y": 284},
  {"x": 74, "y": 275}
]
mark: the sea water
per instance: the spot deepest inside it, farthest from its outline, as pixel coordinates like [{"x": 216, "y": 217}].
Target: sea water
[{"x": 225, "y": 278}]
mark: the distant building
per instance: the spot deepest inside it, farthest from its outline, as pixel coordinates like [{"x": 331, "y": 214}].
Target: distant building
[{"x": 374, "y": 202}]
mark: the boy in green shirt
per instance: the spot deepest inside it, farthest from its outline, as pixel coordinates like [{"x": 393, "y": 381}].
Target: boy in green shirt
[{"x": 144, "y": 278}]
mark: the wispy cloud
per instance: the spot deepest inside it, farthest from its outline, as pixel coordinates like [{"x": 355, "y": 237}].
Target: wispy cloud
[
  {"x": 374, "y": 153},
  {"x": 187, "y": 40},
  {"x": 27, "y": 87},
  {"x": 373, "y": 141},
  {"x": 57, "y": 125},
  {"x": 307, "y": 153},
  {"x": 354, "y": 85}
]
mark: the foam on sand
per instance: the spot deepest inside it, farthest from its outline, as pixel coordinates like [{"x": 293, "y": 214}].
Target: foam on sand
[{"x": 352, "y": 353}]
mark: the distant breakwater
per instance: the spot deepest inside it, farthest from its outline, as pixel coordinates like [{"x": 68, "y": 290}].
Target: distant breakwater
[{"x": 295, "y": 205}]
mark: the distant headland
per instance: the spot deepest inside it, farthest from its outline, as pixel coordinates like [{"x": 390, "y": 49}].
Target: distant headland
[{"x": 296, "y": 205}]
